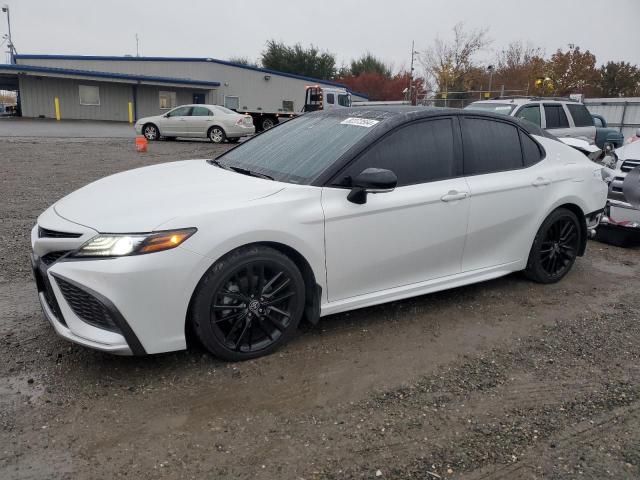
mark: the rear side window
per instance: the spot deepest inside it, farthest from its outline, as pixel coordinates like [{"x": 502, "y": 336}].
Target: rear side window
[
  {"x": 490, "y": 146},
  {"x": 417, "y": 153},
  {"x": 555, "y": 116},
  {"x": 531, "y": 153},
  {"x": 201, "y": 112},
  {"x": 530, "y": 113},
  {"x": 580, "y": 114}
]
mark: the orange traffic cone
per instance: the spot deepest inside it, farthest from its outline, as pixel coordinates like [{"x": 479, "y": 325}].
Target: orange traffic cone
[{"x": 141, "y": 143}]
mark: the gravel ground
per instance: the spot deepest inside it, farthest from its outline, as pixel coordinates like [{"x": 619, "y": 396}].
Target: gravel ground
[{"x": 501, "y": 380}]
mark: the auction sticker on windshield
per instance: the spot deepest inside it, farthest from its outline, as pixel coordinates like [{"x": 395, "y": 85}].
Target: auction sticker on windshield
[{"x": 360, "y": 122}]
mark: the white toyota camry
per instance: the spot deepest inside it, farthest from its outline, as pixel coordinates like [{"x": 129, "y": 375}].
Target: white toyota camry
[{"x": 326, "y": 213}]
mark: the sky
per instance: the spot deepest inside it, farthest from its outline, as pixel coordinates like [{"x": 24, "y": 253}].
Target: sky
[{"x": 213, "y": 28}]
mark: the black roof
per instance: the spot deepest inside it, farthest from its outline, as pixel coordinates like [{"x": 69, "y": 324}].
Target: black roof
[{"x": 393, "y": 115}]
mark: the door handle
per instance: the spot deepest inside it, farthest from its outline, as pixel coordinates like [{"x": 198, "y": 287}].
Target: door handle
[
  {"x": 454, "y": 195},
  {"x": 541, "y": 182}
]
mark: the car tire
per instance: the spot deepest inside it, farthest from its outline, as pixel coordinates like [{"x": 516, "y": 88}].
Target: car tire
[
  {"x": 248, "y": 304},
  {"x": 555, "y": 247},
  {"x": 151, "y": 132},
  {"x": 233, "y": 139},
  {"x": 216, "y": 134}
]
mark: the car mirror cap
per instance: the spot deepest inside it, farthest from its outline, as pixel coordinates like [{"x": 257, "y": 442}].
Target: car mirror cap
[{"x": 371, "y": 180}]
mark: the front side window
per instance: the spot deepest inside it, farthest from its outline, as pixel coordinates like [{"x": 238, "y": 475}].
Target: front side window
[
  {"x": 330, "y": 98},
  {"x": 344, "y": 100},
  {"x": 89, "y": 95},
  {"x": 580, "y": 114},
  {"x": 417, "y": 153},
  {"x": 180, "y": 112},
  {"x": 299, "y": 150},
  {"x": 201, "y": 112},
  {"x": 490, "y": 146},
  {"x": 167, "y": 100},
  {"x": 530, "y": 113},
  {"x": 555, "y": 116}
]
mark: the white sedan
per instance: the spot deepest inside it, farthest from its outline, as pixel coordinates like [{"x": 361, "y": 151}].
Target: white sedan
[
  {"x": 214, "y": 122},
  {"x": 326, "y": 213}
]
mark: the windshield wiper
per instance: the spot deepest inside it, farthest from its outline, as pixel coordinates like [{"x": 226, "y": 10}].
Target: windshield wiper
[{"x": 251, "y": 173}]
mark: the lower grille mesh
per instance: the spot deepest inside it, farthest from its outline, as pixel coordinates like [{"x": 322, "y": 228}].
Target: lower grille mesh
[{"x": 87, "y": 307}]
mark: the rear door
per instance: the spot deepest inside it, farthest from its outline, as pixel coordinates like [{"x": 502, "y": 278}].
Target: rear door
[
  {"x": 509, "y": 186},
  {"x": 173, "y": 124},
  {"x": 583, "y": 124},
  {"x": 411, "y": 234},
  {"x": 556, "y": 120}
]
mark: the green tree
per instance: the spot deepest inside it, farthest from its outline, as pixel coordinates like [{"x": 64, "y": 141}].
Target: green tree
[
  {"x": 619, "y": 79},
  {"x": 369, "y": 64},
  {"x": 299, "y": 60},
  {"x": 243, "y": 61}
]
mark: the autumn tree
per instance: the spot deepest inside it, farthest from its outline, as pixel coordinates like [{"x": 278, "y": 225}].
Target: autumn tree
[
  {"x": 451, "y": 65},
  {"x": 299, "y": 60},
  {"x": 518, "y": 66},
  {"x": 619, "y": 79},
  {"x": 573, "y": 71},
  {"x": 379, "y": 87}
]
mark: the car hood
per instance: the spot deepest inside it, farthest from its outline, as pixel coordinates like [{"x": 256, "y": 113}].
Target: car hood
[
  {"x": 629, "y": 151},
  {"x": 141, "y": 200}
]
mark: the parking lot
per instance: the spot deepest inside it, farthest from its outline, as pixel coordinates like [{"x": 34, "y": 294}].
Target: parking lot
[{"x": 504, "y": 379}]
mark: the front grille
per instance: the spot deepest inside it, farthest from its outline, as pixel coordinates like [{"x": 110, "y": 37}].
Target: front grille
[
  {"x": 46, "y": 233},
  {"x": 52, "y": 257},
  {"x": 629, "y": 165},
  {"x": 87, "y": 307}
]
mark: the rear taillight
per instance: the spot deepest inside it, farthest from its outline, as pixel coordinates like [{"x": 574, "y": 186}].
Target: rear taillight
[{"x": 240, "y": 121}]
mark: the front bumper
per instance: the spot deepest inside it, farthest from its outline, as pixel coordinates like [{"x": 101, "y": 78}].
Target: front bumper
[
  {"x": 145, "y": 298},
  {"x": 621, "y": 215}
]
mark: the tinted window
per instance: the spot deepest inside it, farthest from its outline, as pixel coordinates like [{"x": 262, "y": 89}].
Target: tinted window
[
  {"x": 298, "y": 150},
  {"x": 490, "y": 146},
  {"x": 530, "y": 151},
  {"x": 330, "y": 98},
  {"x": 530, "y": 113},
  {"x": 580, "y": 114},
  {"x": 201, "y": 112},
  {"x": 556, "y": 118},
  {"x": 179, "y": 112},
  {"x": 417, "y": 153},
  {"x": 344, "y": 100}
]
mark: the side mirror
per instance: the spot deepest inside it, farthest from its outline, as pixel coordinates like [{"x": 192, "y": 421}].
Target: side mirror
[
  {"x": 371, "y": 180},
  {"x": 631, "y": 187}
]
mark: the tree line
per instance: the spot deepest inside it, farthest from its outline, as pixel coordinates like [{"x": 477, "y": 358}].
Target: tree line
[{"x": 453, "y": 68}]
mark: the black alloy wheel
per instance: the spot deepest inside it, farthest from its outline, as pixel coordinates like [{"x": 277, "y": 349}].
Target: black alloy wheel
[
  {"x": 249, "y": 304},
  {"x": 555, "y": 247}
]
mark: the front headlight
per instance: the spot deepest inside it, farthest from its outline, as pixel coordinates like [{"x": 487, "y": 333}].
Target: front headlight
[{"x": 120, "y": 245}]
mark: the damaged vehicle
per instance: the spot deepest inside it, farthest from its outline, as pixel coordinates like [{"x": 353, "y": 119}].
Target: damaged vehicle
[
  {"x": 332, "y": 211},
  {"x": 620, "y": 224}
]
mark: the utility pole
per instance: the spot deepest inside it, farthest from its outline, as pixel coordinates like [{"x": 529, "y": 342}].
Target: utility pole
[
  {"x": 12, "y": 49},
  {"x": 491, "y": 69},
  {"x": 137, "y": 45},
  {"x": 410, "y": 87}
]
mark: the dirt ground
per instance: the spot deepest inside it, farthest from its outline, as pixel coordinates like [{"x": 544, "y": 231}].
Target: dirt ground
[{"x": 501, "y": 380}]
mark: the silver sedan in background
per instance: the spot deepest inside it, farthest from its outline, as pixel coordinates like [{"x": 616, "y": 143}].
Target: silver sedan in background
[{"x": 214, "y": 122}]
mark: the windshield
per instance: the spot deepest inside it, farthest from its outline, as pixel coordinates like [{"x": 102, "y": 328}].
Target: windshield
[
  {"x": 503, "y": 108},
  {"x": 300, "y": 149}
]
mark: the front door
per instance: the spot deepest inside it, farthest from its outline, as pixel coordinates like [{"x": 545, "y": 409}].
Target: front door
[
  {"x": 174, "y": 124},
  {"x": 412, "y": 234}
]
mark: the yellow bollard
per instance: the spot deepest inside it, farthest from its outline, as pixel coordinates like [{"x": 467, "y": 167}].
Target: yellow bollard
[
  {"x": 130, "y": 112},
  {"x": 56, "y": 103}
]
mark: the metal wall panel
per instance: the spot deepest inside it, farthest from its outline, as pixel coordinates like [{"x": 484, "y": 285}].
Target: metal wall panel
[
  {"x": 620, "y": 113},
  {"x": 257, "y": 91},
  {"x": 37, "y": 96}
]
